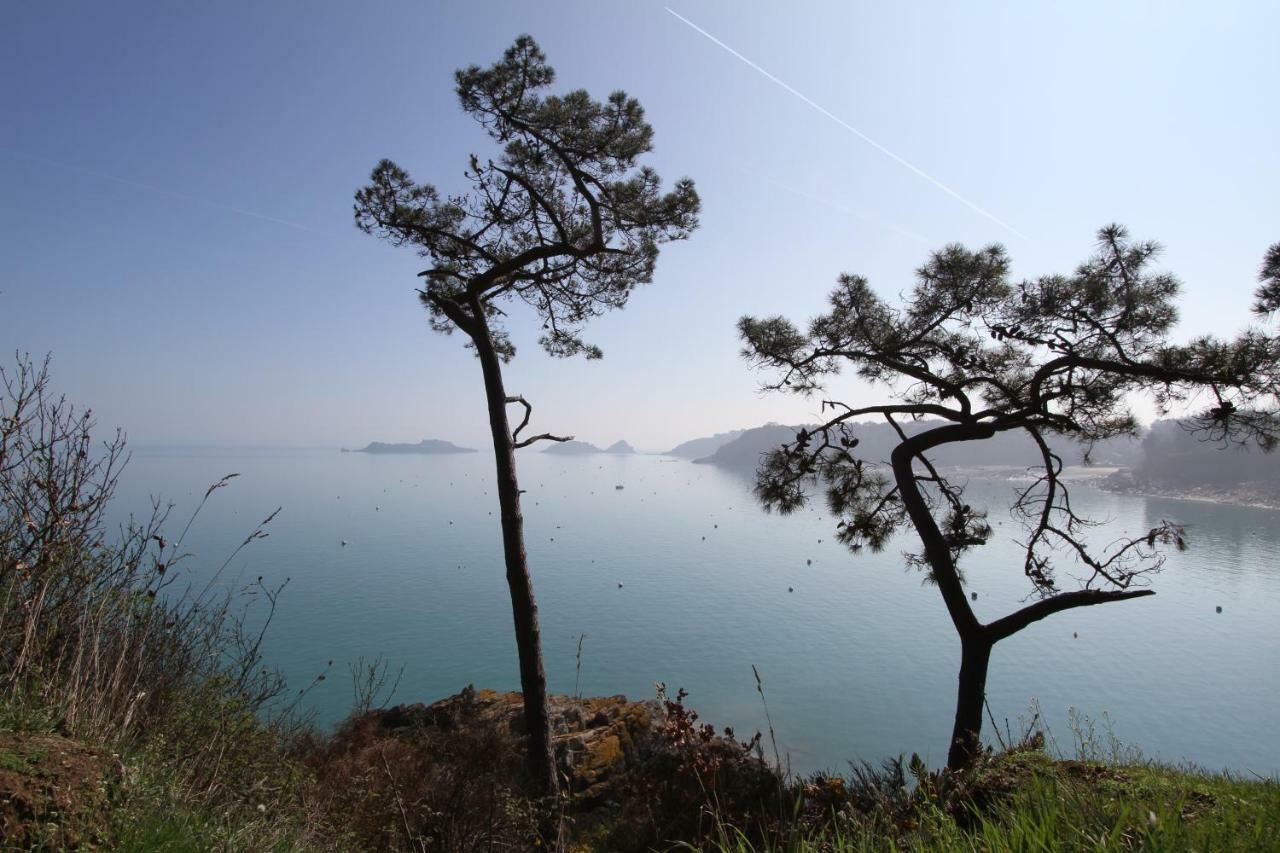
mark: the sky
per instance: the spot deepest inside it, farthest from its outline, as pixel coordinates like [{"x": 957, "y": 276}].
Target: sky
[{"x": 176, "y": 227}]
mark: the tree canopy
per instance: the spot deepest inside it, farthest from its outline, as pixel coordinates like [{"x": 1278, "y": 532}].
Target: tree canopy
[
  {"x": 1054, "y": 356},
  {"x": 563, "y": 219}
]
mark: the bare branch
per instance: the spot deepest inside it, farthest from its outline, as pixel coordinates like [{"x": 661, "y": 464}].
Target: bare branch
[
  {"x": 1019, "y": 619},
  {"x": 546, "y": 436},
  {"x": 528, "y": 413}
]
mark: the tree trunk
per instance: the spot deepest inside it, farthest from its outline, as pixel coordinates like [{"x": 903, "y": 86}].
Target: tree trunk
[
  {"x": 966, "y": 733},
  {"x": 533, "y": 680}
]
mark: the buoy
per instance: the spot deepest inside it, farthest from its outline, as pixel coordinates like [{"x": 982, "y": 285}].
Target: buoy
[{"x": 1218, "y": 608}]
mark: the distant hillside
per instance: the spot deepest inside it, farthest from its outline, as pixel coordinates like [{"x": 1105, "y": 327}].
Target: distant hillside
[
  {"x": 877, "y": 440},
  {"x": 572, "y": 448},
  {"x": 699, "y": 447},
  {"x": 620, "y": 447},
  {"x": 429, "y": 445},
  {"x": 1179, "y": 462},
  {"x": 743, "y": 453}
]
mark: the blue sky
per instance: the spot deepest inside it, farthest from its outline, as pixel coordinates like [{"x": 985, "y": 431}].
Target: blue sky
[{"x": 175, "y": 221}]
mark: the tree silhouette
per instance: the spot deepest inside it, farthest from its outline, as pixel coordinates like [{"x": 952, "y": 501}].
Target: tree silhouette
[
  {"x": 562, "y": 220},
  {"x": 970, "y": 355}
]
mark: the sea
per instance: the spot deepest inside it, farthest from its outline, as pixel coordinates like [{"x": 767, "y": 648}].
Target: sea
[{"x": 650, "y": 570}]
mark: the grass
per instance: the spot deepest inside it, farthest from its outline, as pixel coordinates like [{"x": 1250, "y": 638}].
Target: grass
[{"x": 1058, "y": 806}]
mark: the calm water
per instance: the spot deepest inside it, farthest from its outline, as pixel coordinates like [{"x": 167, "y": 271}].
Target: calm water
[{"x": 858, "y": 662}]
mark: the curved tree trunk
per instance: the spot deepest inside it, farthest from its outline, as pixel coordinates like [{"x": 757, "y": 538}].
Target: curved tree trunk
[
  {"x": 533, "y": 680},
  {"x": 966, "y": 732},
  {"x": 975, "y": 640}
]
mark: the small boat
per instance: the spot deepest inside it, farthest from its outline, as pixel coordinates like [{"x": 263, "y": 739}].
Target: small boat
[{"x": 619, "y": 488}]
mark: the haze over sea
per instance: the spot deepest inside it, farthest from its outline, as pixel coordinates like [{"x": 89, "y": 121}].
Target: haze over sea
[{"x": 680, "y": 577}]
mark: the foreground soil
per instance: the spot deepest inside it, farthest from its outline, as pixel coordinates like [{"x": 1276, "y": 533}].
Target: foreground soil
[{"x": 55, "y": 792}]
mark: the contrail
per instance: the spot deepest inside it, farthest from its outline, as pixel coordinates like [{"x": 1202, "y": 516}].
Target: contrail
[
  {"x": 867, "y": 139},
  {"x": 162, "y": 191}
]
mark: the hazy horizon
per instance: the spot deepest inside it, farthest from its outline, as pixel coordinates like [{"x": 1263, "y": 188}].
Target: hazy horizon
[{"x": 178, "y": 188}]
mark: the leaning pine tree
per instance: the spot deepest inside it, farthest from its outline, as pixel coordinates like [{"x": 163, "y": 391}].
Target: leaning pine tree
[
  {"x": 971, "y": 354},
  {"x": 563, "y": 220}
]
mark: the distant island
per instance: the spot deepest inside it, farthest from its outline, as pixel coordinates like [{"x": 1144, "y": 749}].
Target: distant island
[
  {"x": 427, "y": 445},
  {"x": 584, "y": 448},
  {"x": 572, "y": 448}
]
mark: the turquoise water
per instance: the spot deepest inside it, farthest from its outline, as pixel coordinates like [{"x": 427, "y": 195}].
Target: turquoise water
[{"x": 858, "y": 662}]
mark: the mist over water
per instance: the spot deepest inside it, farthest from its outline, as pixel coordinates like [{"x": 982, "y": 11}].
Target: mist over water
[{"x": 858, "y": 662}]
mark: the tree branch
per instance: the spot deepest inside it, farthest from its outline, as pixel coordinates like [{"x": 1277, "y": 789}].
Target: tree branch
[
  {"x": 1016, "y": 621},
  {"x": 451, "y": 309},
  {"x": 528, "y": 413},
  {"x": 546, "y": 436}
]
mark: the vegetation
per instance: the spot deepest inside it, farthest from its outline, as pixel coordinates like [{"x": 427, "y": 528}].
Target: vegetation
[
  {"x": 564, "y": 221},
  {"x": 1053, "y": 357},
  {"x": 105, "y": 640},
  {"x": 1024, "y": 800}
]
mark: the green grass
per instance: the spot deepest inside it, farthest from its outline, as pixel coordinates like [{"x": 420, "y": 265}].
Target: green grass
[{"x": 1148, "y": 807}]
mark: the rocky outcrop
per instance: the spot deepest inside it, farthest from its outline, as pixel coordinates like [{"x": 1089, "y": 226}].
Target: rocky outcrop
[
  {"x": 596, "y": 739},
  {"x": 637, "y": 774}
]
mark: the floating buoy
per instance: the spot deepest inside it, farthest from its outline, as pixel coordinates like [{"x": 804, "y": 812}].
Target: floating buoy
[{"x": 1218, "y": 609}]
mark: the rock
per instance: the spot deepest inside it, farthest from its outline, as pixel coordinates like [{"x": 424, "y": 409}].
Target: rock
[
  {"x": 595, "y": 738},
  {"x": 598, "y": 740}
]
